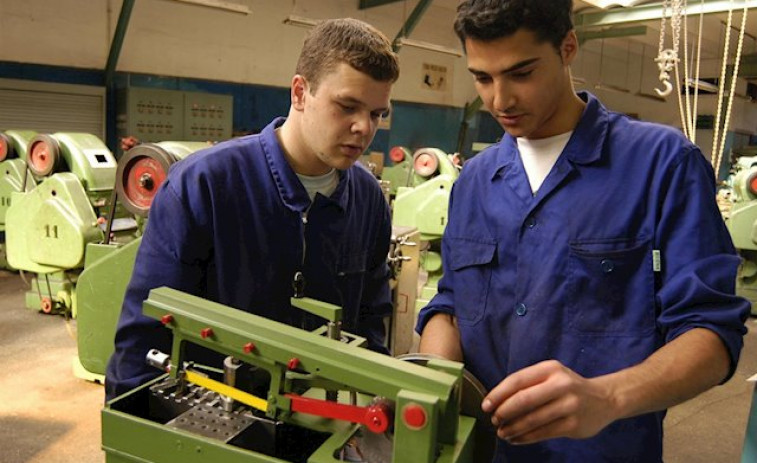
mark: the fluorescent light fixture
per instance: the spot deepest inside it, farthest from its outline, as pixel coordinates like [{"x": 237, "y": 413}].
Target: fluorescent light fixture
[
  {"x": 299, "y": 21},
  {"x": 219, "y": 5},
  {"x": 702, "y": 85},
  {"x": 605, "y": 4},
  {"x": 405, "y": 42}
]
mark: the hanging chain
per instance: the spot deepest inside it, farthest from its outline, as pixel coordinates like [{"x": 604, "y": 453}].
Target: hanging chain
[
  {"x": 668, "y": 58},
  {"x": 737, "y": 60}
]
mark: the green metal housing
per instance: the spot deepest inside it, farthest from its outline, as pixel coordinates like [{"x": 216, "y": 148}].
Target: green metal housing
[
  {"x": 100, "y": 293},
  {"x": 12, "y": 173},
  {"x": 130, "y": 435}
]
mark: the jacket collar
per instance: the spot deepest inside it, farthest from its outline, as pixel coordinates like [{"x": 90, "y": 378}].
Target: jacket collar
[
  {"x": 290, "y": 189},
  {"x": 584, "y": 146}
]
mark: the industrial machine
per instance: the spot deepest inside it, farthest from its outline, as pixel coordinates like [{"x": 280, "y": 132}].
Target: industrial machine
[
  {"x": 742, "y": 224},
  {"x": 425, "y": 207},
  {"x": 48, "y": 228},
  {"x": 287, "y": 395},
  {"x": 108, "y": 265},
  {"x": 400, "y": 173},
  {"x": 15, "y": 176}
]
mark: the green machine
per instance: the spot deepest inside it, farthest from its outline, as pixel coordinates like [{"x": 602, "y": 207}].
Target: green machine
[
  {"x": 48, "y": 228},
  {"x": 108, "y": 265},
  {"x": 400, "y": 173},
  {"x": 288, "y": 395},
  {"x": 15, "y": 177},
  {"x": 742, "y": 224},
  {"x": 425, "y": 207}
]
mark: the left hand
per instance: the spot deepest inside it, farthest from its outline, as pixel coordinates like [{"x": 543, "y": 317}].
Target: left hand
[{"x": 549, "y": 400}]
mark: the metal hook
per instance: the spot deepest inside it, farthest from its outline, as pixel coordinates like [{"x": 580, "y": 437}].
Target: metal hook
[{"x": 666, "y": 91}]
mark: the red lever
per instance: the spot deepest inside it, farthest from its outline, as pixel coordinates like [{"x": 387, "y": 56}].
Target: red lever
[{"x": 375, "y": 417}]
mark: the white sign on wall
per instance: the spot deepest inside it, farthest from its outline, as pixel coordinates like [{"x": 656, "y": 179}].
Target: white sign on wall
[{"x": 434, "y": 77}]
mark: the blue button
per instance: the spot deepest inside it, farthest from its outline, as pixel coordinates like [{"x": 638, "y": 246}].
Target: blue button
[
  {"x": 607, "y": 265},
  {"x": 530, "y": 222},
  {"x": 521, "y": 309}
]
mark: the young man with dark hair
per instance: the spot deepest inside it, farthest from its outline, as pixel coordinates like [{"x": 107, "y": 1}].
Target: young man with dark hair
[
  {"x": 588, "y": 277},
  {"x": 254, "y": 220}
]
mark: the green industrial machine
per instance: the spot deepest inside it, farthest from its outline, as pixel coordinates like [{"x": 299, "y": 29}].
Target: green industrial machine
[
  {"x": 424, "y": 207},
  {"x": 287, "y": 395},
  {"x": 749, "y": 454},
  {"x": 48, "y": 228},
  {"x": 15, "y": 176},
  {"x": 742, "y": 224},
  {"x": 108, "y": 265},
  {"x": 400, "y": 173}
]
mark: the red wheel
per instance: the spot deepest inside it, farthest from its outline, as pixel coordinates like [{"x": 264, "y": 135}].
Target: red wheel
[
  {"x": 6, "y": 149},
  {"x": 46, "y": 305},
  {"x": 752, "y": 184},
  {"x": 398, "y": 154},
  {"x": 140, "y": 173},
  {"x": 425, "y": 163},
  {"x": 43, "y": 155}
]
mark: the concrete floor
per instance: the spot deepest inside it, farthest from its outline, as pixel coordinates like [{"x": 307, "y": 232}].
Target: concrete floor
[{"x": 49, "y": 416}]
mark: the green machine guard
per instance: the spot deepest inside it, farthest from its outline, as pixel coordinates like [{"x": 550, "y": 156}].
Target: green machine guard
[
  {"x": 144, "y": 426},
  {"x": 14, "y": 175}
]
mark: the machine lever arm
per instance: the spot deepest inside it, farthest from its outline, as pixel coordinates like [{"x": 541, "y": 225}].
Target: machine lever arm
[{"x": 375, "y": 417}]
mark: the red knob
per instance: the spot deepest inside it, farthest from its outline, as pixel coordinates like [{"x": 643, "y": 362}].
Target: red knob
[{"x": 206, "y": 333}]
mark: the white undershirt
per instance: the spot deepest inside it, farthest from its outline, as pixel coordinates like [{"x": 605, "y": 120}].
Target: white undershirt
[
  {"x": 538, "y": 156},
  {"x": 324, "y": 184}
]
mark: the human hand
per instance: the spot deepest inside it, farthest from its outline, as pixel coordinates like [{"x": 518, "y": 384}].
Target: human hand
[{"x": 549, "y": 400}]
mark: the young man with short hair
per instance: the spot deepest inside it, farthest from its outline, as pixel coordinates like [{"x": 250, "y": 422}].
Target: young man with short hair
[
  {"x": 588, "y": 276},
  {"x": 252, "y": 221}
]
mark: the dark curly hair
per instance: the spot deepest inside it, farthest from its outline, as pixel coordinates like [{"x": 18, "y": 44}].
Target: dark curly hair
[{"x": 487, "y": 20}]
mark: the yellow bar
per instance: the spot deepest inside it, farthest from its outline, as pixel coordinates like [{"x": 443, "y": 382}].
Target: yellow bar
[{"x": 228, "y": 391}]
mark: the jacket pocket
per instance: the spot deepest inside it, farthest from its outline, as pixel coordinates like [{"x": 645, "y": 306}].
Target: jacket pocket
[
  {"x": 471, "y": 265},
  {"x": 611, "y": 287}
]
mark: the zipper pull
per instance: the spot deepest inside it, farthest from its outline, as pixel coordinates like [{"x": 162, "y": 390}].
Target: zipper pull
[{"x": 298, "y": 284}]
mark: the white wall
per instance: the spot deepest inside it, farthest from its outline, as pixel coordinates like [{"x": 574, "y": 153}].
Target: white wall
[
  {"x": 170, "y": 38},
  {"x": 176, "y": 39}
]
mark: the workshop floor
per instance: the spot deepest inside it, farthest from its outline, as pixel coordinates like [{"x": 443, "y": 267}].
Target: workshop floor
[{"x": 49, "y": 416}]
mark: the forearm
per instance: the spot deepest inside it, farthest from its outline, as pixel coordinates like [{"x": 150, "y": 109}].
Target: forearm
[
  {"x": 441, "y": 337},
  {"x": 687, "y": 366}
]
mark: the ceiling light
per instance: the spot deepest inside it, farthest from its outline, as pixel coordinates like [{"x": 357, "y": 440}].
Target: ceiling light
[
  {"x": 300, "y": 21},
  {"x": 604, "y": 4},
  {"x": 404, "y": 42},
  {"x": 220, "y": 5},
  {"x": 702, "y": 85}
]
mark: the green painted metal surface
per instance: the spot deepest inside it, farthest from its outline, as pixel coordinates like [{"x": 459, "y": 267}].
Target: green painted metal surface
[
  {"x": 443, "y": 436},
  {"x": 118, "y": 40},
  {"x": 99, "y": 295},
  {"x": 750, "y": 437},
  {"x": 20, "y": 140},
  {"x": 12, "y": 172},
  {"x": 89, "y": 159},
  {"x": 48, "y": 228},
  {"x": 58, "y": 288}
]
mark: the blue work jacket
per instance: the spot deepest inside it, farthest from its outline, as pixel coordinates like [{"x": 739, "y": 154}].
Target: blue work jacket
[
  {"x": 233, "y": 224},
  {"x": 621, "y": 250}
]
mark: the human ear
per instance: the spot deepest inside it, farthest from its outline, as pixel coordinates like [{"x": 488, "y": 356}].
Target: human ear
[
  {"x": 299, "y": 90},
  {"x": 569, "y": 47}
]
